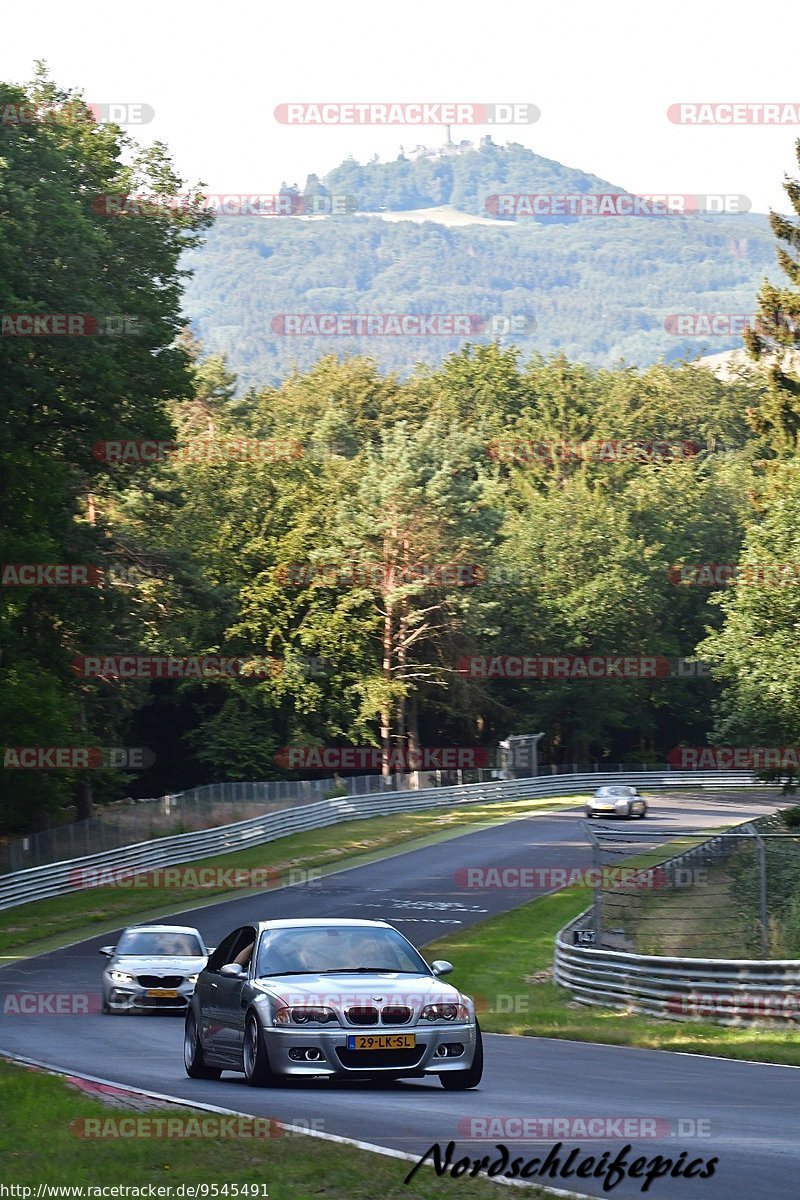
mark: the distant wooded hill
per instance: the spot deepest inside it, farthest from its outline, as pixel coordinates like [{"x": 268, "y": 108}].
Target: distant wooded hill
[{"x": 600, "y": 289}]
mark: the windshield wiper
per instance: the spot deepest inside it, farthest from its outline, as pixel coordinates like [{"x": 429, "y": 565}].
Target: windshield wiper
[{"x": 365, "y": 971}]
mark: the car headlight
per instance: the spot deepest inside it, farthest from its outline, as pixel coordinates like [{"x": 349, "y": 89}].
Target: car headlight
[
  {"x": 121, "y": 977},
  {"x": 193, "y": 978},
  {"x": 444, "y": 1012},
  {"x": 309, "y": 1015}
]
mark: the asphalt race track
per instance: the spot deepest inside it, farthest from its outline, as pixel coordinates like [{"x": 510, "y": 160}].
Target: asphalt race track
[{"x": 748, "y": 1112}]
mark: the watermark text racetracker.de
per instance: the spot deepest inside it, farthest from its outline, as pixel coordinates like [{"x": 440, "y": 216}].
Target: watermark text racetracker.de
[
  {"x": 225, "y": 204},
  {"x": 733, "y": 112},
  {"x": 735, "y": 758},
  {"x": 77, "y": 758},
  {"x": 613, "y": 450},
  {"x": 719, "y": 324},
  {"x": 374, "y": 758},
  {"x": 754, "y": 1006},
  {"x": 719, "y": 575},
  {"x": 597, "y": 667},
  {"x": 243, "y": 449},
  {"x": 569, "y": 1128},
  {"x": 78, "y": 112},
  {"x": 51, "y": 1004},
  {"x": 217, "y": 667},
  {"x": 406, "y": 113},
  {"x": 546, "y": 878},
  {"x": 393, "y": 324},
  {"x": 203, "y": 1125},
  {"x": 379, "y": 576},
  {"x": 614, "y": 204},
  {"x": 66, "y": 324},
  {"x": 194, "y": 877}
]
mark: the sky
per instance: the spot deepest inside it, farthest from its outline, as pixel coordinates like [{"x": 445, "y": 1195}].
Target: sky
[{"x": 602, "y": 76}]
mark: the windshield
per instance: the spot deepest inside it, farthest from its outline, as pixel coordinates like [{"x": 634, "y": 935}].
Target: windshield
[
  {"x": 160, "y": 944},
  {"x": 325, "y": 950},
  {"x": 616, "y": 791}
]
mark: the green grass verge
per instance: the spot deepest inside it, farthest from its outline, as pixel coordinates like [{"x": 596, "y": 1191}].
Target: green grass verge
[
  {"x": 505, "y": 962},
  {"x": 37, "y": 1145},
  {"x": 47, "y": 924}
]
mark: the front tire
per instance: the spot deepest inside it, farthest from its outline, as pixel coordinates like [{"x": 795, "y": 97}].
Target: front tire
[
  {"x": 193, "y": 1058},
  {"x": 460, "y": 1081},
  {"x": 255, "y": 1059}
]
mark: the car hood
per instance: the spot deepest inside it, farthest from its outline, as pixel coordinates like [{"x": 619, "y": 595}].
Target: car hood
[
  {"x": 161, "y": 965},
  {"x": 343, "y": 990}
]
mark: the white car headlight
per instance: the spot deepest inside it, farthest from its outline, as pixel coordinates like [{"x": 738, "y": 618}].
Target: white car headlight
[
  {"x": 193, "y": 978},
  {"x": 121, "y": 977}
]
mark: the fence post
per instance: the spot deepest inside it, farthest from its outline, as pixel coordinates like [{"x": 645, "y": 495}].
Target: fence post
[
  {"x": 762, "y": 890},
  {"x": 597, "y": 913}
]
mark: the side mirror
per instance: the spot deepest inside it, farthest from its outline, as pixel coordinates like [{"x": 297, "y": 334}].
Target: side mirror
[
  {"x": 106, "y": 951},
  {"x": 210, "y": 950},
  {"x": 440, "y": 966},
  {"x": 232, "y": 970}
]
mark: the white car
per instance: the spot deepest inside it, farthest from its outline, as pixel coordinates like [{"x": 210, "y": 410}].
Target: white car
[
  {"x": 152, "y": 966},
  {"x": 616, "y": 800}
]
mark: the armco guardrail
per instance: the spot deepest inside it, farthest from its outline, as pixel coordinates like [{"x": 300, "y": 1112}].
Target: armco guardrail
[
  {"x": 722, "y": 990},
  {"x": 58, "y": 879}
]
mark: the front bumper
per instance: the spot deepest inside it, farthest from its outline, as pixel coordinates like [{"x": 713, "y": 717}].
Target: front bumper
[
  {"x": 336, "y": 1059},
  {"x": 133, "y": 997}
]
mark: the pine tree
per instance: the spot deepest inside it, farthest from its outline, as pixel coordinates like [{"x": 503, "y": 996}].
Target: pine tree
[{"x": 777, "y": 333}]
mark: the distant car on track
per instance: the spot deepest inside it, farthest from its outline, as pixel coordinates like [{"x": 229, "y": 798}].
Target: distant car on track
[
  {"x": 152, "y": 966},
  {"x": 329, "y": 997},
  {"x": 616, "y": 800}
]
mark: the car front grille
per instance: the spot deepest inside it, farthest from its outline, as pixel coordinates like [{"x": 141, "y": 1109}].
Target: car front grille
[
  {"x": 160, "y": 1001},
  {"x": 167, "y": 981},
  {"x": 367, "y": 1060},
  {"x": 395, "y": 1014},
  {"x": 363, "y": 1014}
]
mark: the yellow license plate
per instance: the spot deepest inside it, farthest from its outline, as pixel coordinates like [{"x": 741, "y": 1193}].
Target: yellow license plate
[
  {"x": 381, "y": 1041},
  {"x": 163, "y": 993}
]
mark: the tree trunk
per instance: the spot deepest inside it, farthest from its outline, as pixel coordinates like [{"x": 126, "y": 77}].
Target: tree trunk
[{"x": 386, "y": 711}]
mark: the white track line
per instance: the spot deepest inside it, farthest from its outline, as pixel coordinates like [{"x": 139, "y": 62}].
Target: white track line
[{"x": 232, "y": 1112}]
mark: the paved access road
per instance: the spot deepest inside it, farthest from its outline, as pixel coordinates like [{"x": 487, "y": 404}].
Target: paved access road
[{"x": 747, "y": 1113}]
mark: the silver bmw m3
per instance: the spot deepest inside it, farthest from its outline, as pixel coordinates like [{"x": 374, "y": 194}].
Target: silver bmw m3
[{"x": 341, "y": 998}]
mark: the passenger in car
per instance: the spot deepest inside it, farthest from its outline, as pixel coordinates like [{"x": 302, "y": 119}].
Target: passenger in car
[{"x": 244, "y": 956}]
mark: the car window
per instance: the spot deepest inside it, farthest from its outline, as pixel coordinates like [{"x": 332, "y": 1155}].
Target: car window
[
  {"x": 319, "y": 949},
  {"x": 221, "y": 954},
  {"x": 157, "y": 944},
  {"x": 232, "y": 946}
]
